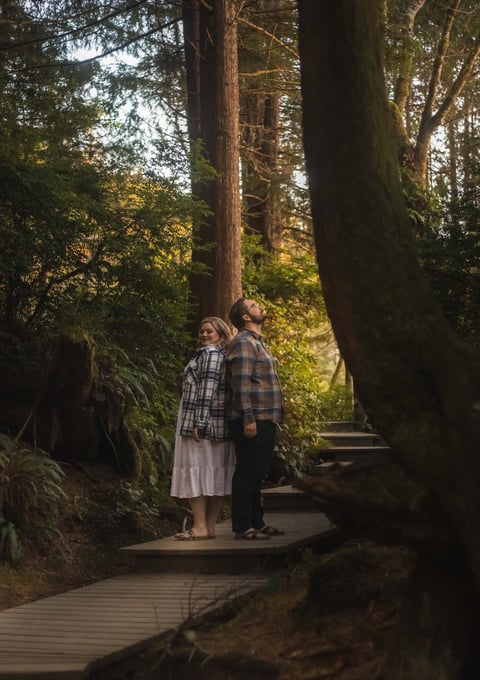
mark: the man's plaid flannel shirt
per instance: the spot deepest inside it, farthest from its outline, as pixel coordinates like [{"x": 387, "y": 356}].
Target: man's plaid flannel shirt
[{"x": 253, "y": 380}]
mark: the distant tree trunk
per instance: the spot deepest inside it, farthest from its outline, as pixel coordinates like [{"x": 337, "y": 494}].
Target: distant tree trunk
[
  {"x": 452, "y": 159},
  {"x": 418, "y": 383},
  {"x": 210, "y": 35},
  {"x": 469, "y": 171},
  {"x": 404, "y": 18},
  {"x": 262, "y": 141},
  {"x": 445, "y": 84},
  {"x": 404, "y": 15}
]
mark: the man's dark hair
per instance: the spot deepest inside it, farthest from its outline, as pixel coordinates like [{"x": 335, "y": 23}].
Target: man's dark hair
[{"x": 237, "y": 310}]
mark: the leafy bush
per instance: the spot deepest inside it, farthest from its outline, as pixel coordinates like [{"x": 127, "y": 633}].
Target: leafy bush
[
  {"x": 31, "y": 498},
  {"x": 300, "y": 338}
]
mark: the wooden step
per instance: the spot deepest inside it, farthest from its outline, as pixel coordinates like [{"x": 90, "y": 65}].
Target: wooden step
[
  {"x": 352, "y": 438},
  {"x": 343, "y": 426},
  {"x": 226, "y": 555},
  {"x": 286, "y": 499},
  {"x": 353, "y": 453}
]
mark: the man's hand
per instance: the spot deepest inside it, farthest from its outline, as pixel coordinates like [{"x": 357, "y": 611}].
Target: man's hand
[{"x": 250, "y": 430}]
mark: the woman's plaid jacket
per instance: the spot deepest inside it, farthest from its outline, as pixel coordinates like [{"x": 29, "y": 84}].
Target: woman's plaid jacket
[{"x": 204, "y": 394}]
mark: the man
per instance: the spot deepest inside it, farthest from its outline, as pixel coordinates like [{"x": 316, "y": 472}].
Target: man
[{"x": 255, "y": 408}]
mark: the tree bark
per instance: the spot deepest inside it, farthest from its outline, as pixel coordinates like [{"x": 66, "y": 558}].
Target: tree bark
[
  {"x": 212, "y": 81},
  {"x": 419, "y": 384},
  {"x": 404, "y": 20},
  {"x": 441, "y": 609},
  {"x": 262, "y": 114}
]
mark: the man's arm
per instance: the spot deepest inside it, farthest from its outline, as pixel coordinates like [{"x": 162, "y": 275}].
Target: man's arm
[{"x": 242, "y": 359}]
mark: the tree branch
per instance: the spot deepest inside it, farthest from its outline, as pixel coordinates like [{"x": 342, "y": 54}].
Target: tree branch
[
  {"x": 63, "y": 64},
  {"x": 73, "y": 31}
]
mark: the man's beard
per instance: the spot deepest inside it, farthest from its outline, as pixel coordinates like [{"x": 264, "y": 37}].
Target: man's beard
[{"x": 259, "y": 318}]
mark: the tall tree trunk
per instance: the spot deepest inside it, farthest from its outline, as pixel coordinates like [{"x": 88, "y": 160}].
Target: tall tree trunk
[
  {"x": 404, "y": 19},
  {"x": 452, "y": 158},
  {"x": 419, "y": 384},
  {"x": 210, "y": 35},
  {"x": 261, "y": 138}
]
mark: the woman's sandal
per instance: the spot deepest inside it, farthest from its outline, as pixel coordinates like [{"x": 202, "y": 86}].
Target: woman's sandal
[
  {"x": 252, "y": 535},
  {"x": 190, "y": 536},
  {"x": 271, "y": 531}
]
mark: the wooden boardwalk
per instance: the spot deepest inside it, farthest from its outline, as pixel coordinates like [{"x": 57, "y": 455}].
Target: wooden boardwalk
[
  {"x": 92, "y": 632},
  {"x": 228, "y": 556},
  {"x": 75, "y": 634}
]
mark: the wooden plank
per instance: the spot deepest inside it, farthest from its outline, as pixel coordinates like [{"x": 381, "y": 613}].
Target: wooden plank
[
  {"x": 66, "y": 634},
  {"x": 226, "y": 555},
  {"x": 299, "y": 529}
]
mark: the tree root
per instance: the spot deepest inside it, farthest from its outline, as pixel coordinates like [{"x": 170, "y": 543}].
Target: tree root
[{"x": 377, "y": 500}]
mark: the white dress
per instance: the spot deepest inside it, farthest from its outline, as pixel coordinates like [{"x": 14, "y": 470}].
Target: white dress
[{"x": 203, "y": 468}]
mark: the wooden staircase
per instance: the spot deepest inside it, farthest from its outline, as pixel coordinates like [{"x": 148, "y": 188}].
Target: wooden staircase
[{"x": 349, "y": 443}]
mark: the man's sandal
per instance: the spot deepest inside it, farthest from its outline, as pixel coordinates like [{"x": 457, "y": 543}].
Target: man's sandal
[
  {"x": 271, "y": 531},
  {"x": 252, "y": 535}
]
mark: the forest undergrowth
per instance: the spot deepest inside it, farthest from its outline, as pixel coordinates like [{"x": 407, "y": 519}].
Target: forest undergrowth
[{"x": 327, "y": 616}]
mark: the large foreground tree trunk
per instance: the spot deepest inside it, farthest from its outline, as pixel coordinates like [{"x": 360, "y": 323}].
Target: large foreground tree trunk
[{"x": 416, "y": 380}]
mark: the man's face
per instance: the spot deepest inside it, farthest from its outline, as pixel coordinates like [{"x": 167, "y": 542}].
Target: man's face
[{"x": 255, "y": 312}]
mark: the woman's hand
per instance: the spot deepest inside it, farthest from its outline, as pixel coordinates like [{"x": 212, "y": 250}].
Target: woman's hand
[{"x": 195, "y": 434}]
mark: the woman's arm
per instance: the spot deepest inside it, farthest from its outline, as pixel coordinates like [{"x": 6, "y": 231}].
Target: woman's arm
[{"x": 208, "y": 380}]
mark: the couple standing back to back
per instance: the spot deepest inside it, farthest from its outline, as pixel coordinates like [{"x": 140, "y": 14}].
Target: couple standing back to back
[{"x": 237, "y": 377}]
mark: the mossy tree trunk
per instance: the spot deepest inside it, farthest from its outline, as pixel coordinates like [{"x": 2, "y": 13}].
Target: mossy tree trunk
[
  {"x": 70, "y": 394},
  {"x": 419, "y": 384},
  {"x": 87, "y": 408},
  {"x": 73, "y": 405}
]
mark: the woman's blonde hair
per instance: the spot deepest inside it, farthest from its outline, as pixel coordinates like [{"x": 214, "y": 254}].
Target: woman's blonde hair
[{"x": 221, "y": 327}]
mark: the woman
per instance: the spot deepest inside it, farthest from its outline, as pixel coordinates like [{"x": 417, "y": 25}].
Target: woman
[{"x": 204, "y": 459}]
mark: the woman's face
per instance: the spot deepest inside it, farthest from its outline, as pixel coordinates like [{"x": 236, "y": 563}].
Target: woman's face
[{"x": 208, "y": 335}]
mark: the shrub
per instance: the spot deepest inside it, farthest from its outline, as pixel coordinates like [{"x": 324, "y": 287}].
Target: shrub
[
  {"x": 31, "y": 497},
  {"x": 300, "y": 338}
]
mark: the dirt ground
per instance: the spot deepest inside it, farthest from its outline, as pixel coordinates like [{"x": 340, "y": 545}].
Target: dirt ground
[{"x": 329, "y": 616}]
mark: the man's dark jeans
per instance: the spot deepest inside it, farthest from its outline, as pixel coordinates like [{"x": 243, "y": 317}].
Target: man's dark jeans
[{"x": 254, "y": 456}]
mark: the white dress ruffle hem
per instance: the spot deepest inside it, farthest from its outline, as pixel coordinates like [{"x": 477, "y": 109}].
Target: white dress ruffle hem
[{"x": 203, "y": 468}]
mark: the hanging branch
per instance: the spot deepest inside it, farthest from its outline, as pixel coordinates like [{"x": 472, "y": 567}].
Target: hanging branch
[{"x": 73, "y": 31}]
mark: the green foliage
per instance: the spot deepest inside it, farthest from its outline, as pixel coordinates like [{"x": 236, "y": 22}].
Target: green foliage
[
  {"x": 147, "y": 402},
  {"x": 297, "y": 334},
  {"x": 337, "y": 403},
  {"x": 31, "y": 498},
  {"x": 422, "y": 205},
  {"x": 450, "y": 257},
  {"x": 133, "y": 498},
  {"x": 153, "y": 429},
  {"x": 89, "y": 241}
]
